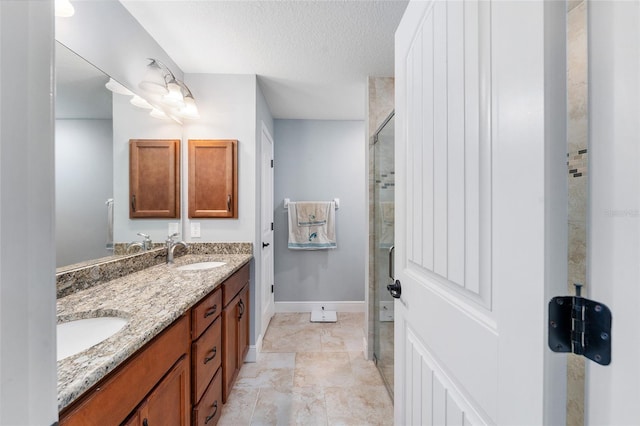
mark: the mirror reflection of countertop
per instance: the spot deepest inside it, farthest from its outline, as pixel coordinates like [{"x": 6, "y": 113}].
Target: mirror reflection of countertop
[{"x": 150, "y": 300}]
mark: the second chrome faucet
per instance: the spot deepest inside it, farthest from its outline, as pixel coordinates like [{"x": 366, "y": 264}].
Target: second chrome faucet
[{"x": 171, "y": 246}]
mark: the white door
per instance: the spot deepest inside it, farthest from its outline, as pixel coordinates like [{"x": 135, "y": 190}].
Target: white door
[
  {"x": 481, "y": 216},
  {"x": 613, "y": 391},
  {"x": 266, "y": 229}
]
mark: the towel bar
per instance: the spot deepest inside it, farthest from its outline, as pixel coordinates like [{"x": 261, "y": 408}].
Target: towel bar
[{"x": 288, "y": 200}]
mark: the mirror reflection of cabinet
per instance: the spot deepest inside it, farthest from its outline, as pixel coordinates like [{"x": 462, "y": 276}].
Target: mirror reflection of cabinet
[
  {"x": 154, "y": 178},
  {"x": 213, "y": 178}
]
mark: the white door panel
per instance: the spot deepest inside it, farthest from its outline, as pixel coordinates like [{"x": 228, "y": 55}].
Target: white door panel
[
  {"x": 613, "y": 258},
  {"x": 474, "y": 252}
]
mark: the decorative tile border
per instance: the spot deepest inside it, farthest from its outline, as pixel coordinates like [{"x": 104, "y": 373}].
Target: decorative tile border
[
  {"x": 577, "y": 163},
  {"x": 86, "y": 275}
]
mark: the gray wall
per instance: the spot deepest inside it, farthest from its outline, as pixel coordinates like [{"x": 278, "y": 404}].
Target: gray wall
[
  {"x": 83, "y": 148},
  {"x": 321, "y": 160}
]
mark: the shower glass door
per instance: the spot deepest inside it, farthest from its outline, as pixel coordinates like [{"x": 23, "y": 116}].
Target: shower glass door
[{"x": 383, "y": 242}]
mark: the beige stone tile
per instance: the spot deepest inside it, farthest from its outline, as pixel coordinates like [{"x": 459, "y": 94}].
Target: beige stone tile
[
  {"x": 341, "y": 339},
  {"x": 351, "y": 319},
  {"x": 364, "y": 371},
  {"x": 239, "y": 408},
  {"x": 358, "y": 405},
  {"x": 289, "y": 319},
  {"x": 298, "y": 406},
  {"x": 322, "y": 369},
  {"x": 292, "y": 339},
  {"x": 275, "y": 378}
]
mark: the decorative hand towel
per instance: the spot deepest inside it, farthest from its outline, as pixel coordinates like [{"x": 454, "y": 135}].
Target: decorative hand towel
[
  {"x": 312, "y": 213},
  {"x": 312, "y": 236}
]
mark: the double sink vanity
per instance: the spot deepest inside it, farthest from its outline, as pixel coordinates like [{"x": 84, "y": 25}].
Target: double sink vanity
[{"x": 162, "y": 345}]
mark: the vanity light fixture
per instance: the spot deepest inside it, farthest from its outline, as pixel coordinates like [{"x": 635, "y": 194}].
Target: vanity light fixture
[
  {"x": 64, "y": 9},
  {"x": 166, "y": 93}
]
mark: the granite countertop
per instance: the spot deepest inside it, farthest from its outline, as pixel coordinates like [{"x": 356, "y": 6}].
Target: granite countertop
[{"x": 150, "y": 300}]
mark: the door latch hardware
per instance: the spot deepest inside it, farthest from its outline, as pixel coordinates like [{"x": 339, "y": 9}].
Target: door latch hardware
[
  {"x": 395, "y": 289},
  {"x": 581, "y": 326}
]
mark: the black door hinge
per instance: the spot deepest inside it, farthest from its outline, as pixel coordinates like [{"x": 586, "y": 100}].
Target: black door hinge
[
  {"x": 272, "y": 164},
  {"x": 272, "y": 226},
  {"x": 271, "y": 288},
  {"x": 581, "y": 326}
]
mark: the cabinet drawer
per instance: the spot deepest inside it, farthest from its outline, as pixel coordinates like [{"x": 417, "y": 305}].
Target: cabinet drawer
[
  {"x": 207, "y": 411},
  {"x": 205, "y": 312},
  {"x": 206, "y": 357},
  {"x": 234, "y": 284}
]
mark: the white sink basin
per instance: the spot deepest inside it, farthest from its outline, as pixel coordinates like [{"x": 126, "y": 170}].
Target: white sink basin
[
  {"x": 199, "y": 266},
  {"x": 77, "y": 336}
]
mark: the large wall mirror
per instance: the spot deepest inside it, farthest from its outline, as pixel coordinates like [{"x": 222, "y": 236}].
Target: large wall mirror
[{"x": 92, "y": 132}]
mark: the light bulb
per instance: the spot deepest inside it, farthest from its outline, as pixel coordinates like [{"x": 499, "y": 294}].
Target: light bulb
[
  {"x": 189, "y": 110},
  {"x": 174, "y": 97},
  {"x": 156, "y": 113},
  {"x": 140, "y": 102}
]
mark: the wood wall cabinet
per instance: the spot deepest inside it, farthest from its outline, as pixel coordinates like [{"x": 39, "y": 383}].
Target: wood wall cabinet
[
  {"x": 235, "y": 328},
  {"x": 213, "y": 178},
  {"x": 139, "y": 383},
  {"x": 154, "y": 178}
]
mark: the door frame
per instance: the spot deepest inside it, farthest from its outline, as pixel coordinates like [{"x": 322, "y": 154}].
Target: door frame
[{"x": 266, "y": 213}]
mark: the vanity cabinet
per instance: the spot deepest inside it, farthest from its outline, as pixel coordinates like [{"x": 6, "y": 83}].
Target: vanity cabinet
[
  {"x": 143, "y": 385},
  {"x": 154, "y": 178},
  {"x": 235, "y": 327},
  {"x": 213, "y": 178}
]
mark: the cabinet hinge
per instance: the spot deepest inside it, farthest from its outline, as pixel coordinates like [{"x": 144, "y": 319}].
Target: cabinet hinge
[
  {"x": 581, "y": 326},
  {"x": 272, "y": 164}
]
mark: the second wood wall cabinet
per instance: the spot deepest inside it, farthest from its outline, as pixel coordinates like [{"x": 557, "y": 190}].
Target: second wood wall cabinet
[{"x": 213, "y": 178}]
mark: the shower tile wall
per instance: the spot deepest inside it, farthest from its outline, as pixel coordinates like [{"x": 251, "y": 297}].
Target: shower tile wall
[
  {"x": 380, "y": 105},
  {"x": 577, "y": 169}
]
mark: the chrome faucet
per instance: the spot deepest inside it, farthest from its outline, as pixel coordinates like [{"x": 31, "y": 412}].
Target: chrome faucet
[
  {"x": 146, "y": 244},
  {"x": 132, "y": 245},
  {"x": 171, "y": 246}
]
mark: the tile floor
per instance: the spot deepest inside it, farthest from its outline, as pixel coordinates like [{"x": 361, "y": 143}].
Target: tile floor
[{"x": 310, "y": 374}]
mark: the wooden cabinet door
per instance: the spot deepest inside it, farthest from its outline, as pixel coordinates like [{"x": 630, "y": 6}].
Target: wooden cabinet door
[
  {"x": 213, "y": 178},
  {"x": 169, "y": 403},
  {"x": 154, "y": 178},
  {"x": 243, "y": 326},
  {"x": 230, "y": 357}
]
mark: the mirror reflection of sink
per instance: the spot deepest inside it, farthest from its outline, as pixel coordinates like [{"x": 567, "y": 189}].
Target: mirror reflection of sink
[
  {"x": 200, "y": 266},
  {"x": 79, "y": 335}
]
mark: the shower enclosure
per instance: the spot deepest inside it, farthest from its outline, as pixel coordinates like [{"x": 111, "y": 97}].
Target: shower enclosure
[{"x": 383, "y": 219}]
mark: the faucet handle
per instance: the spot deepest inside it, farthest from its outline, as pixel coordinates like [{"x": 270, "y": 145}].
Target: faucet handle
[
  {"x": 171, "y": 237},
  {"x": 145, "y": 236}
]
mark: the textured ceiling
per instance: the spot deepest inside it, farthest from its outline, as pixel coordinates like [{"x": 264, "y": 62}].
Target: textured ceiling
[{"x": 312, "y": 58}]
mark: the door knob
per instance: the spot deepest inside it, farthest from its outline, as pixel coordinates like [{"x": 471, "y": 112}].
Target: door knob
[
  {"x": 265, "y": 245},
  {"x": 395, "y": 289}
]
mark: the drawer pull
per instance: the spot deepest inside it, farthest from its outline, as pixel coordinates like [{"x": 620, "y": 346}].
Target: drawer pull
[
  {"x": 145, "y": 422},
  {"x": 241, "y": 307},
  {"x": 214, "y": 351},
  {"x": 212, "y": 310},
  {"x": 212, "y": 415}
]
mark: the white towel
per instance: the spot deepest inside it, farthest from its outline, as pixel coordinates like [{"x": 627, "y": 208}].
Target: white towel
[{"x": 311, "y": 235}]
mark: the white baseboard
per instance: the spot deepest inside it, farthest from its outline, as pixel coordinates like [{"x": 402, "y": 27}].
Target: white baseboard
[
  {"x": 282, "y": 307},
  {"x": 254, "y": 351}
]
